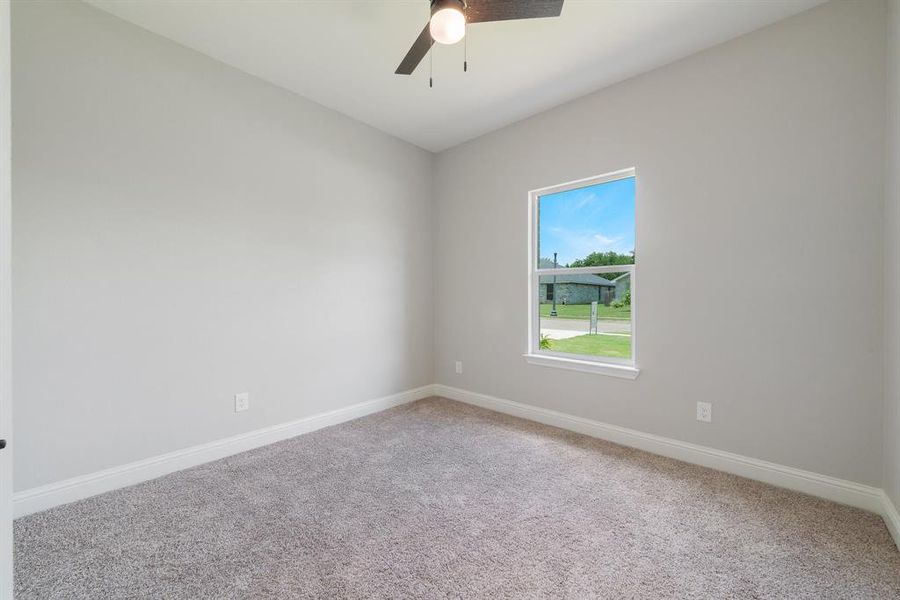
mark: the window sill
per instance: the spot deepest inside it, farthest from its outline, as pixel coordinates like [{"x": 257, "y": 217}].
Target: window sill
[{"x": 585, "y": 366}]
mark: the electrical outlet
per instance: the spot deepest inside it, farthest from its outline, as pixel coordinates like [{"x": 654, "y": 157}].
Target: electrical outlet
[
  {"x": 241, "y": 401},
  {"x": 459, "y": 367},
  {"x": 704, "y": 412}
]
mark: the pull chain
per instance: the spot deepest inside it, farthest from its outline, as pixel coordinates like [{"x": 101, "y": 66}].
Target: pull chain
[
  {"x": 431, "y": 66},
  {"x": 466, "y": 41}
]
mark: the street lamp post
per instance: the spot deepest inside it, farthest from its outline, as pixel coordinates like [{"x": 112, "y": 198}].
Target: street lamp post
[{"x": 553, "y": 309}]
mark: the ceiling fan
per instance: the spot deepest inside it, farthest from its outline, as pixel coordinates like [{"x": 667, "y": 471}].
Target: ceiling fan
[{"x": 450, "y": 17}]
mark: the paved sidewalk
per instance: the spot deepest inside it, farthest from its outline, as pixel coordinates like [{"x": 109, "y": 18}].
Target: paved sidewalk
[{"x": 560, "y": 329}]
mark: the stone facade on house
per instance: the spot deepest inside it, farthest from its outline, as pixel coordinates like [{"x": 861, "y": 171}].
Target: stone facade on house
[
  {"x": 623, "y": 285},
  {"x": 576, "y": 289}
]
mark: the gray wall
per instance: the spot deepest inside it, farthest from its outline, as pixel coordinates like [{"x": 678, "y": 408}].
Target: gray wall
[
  {"x": 6, "y": 464},
  {"x": 761, "y": 159},
  {"x": 178, "y": 226},
  {"x": 892, "y": 265},
  {"x": 175, "y": 222}
]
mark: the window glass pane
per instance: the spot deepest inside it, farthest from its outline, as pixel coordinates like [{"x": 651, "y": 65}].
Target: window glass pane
[
  {"x": 587, "y": 227},
  {"x": 571, "y": 322}
]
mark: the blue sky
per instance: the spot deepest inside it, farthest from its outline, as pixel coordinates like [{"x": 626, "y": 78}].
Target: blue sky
[{"x": 598, "y": 218}]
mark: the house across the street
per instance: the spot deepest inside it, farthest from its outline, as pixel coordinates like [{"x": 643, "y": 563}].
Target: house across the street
[
  {"x": 580, "y": 288},
  {"x": 623, "y": 284}
]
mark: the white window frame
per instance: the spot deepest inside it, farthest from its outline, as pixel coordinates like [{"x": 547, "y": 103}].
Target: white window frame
[{"x": 615, "y": 367}]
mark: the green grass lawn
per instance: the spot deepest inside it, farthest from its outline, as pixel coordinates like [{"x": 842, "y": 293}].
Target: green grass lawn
[
  {"x": 618, "y": 346},
  {"x": 583, "y": 311}
]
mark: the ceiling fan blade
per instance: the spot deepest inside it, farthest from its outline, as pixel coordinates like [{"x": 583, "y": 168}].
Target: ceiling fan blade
[
  {"x": 416, "y": 53},
  {"x": 482, "y": 11}
]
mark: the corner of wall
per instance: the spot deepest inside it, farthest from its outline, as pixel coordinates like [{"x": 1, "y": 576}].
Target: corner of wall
[
  {"x": 434, "y": 265},
  {"x": 891, "y": 421}
]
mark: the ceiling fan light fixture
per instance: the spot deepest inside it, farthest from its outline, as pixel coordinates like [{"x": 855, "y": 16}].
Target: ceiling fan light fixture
[
  {"x": 450, "y": 18},
  {"x": 448, "y": 22}
]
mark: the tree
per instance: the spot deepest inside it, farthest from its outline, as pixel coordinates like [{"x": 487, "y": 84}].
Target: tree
[{"x": 602, "y": 259}]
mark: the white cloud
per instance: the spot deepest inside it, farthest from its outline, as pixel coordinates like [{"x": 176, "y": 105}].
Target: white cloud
[
  {"x": 607, "y": 241},
  {"x": 573, "y": 244}
]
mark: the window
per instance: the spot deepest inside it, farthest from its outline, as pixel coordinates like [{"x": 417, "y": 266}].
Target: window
[{"x": 582, "y": 271}]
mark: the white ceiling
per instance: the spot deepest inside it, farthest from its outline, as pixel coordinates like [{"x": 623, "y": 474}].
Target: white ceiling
[{"x": 342, "y": 54}]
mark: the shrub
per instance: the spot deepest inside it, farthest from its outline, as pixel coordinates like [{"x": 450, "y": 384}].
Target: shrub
[
  {"x": 624, "y": 301},
  {"x": 545, "y": 342}
]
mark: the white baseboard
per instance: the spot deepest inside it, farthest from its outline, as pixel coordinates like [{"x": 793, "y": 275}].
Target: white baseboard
[
  {"x": 831, "y": 488},
  {"x": 891, "y": 518},
  {"x": 839, "y": 490},
  {"x": 77, "y": 488}
]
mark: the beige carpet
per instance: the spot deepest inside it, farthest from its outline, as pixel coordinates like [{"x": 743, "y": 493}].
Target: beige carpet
[{"x": 442, "y": 500}]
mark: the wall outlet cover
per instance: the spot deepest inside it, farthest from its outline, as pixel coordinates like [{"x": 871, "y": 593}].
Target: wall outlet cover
[
  {"x": 704, "y": 412},
  {"x": 459, "y": 367},
  {"x": 241, "y": 401}
]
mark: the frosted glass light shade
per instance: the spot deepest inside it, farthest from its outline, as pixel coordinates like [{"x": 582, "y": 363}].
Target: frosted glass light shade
[{"x": 447, "y": 26}]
